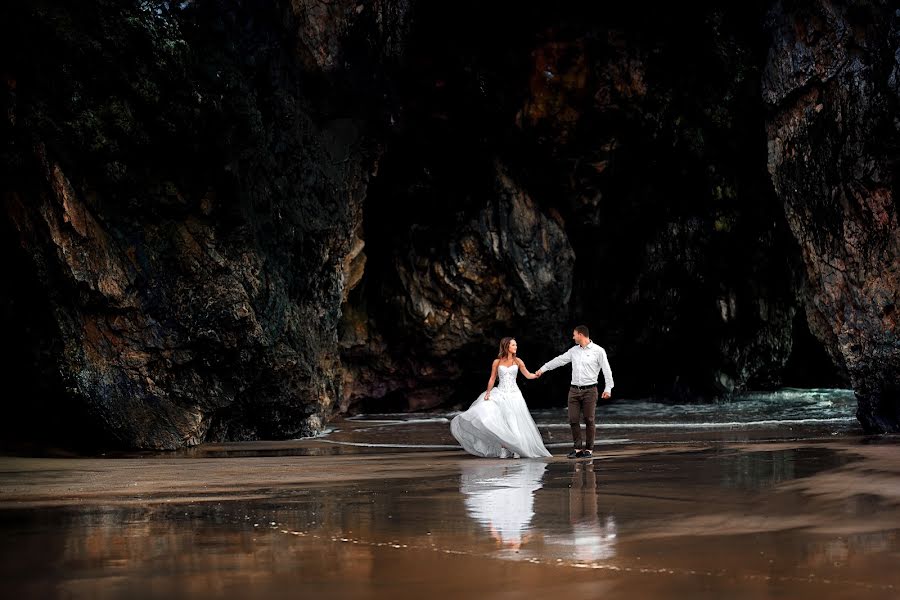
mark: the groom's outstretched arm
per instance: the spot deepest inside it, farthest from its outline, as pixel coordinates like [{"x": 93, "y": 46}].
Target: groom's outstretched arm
[{"x": 562, "y": 359}]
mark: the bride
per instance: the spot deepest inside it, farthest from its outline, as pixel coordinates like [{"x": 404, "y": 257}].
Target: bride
[{"x": 498, "y": 423}]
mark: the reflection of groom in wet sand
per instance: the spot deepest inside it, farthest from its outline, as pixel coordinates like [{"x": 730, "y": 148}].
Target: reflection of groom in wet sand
[
  {"x": 587, "y": 359},
  {"x": 590, "y": 539}
]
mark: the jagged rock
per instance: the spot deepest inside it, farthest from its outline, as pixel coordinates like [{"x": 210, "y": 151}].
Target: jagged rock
[
  {"x": 651, "y": 141},
  {"x": 507, "y": 265},
  {"x": 189, "y": 215},
  {"x": 511, "y": 261},
  {"x": 831, "y": 82},
  {"x": 228, "y": 221}
]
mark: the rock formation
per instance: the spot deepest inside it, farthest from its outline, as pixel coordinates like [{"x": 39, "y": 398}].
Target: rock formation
[
  {"x": 223, "y": 221},
  {"x": 832, "y": 84},
  {"x": 187, "y": 211}
]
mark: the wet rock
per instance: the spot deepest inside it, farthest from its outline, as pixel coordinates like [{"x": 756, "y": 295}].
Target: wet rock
[
  {"x": 229, "y": 222},
  {"x": 831, "y": 82},
  {"x": 190, "y": 216},
  {"x": 507, "y": 265},
  {"x": 650, "y": 131},
  {"x": 510, "y": 261}
]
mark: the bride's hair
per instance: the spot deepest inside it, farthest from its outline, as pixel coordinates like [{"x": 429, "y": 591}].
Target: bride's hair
[{"x": 504, "y": 347}]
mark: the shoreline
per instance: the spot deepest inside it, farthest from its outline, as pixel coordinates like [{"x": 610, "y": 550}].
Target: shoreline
[{"x": 257, "y": 470}]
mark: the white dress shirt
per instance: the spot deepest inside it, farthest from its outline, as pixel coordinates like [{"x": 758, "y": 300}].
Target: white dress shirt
[{"x": 587, "y": 362}]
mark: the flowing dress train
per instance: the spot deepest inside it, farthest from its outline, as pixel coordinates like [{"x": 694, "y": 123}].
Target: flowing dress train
[{"x": 501, "y": 425}]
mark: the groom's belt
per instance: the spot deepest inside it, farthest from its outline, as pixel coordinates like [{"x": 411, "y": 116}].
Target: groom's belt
[{"x": 583, "y": 387}]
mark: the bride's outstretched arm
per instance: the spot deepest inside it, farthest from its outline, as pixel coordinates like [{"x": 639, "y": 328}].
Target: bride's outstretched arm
[
  {"x": 524, "y": 370},
  {"x": 487, "y": 394}
]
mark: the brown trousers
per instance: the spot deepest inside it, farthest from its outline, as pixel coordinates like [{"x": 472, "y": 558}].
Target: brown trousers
[{"x": 583, "y": 402}]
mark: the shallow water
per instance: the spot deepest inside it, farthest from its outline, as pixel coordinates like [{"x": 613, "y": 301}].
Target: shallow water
[
  {"x": 803, "y": 508},
  {"x": 785, "y": 415}
]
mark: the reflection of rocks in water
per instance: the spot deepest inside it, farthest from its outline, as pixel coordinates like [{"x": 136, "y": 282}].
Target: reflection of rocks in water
[
  {"x": 759, "y": 470},
  {"x": 755, "y": 470},
  {"x": 184, "y": 551},
  {"x": 500, "y": 497}
]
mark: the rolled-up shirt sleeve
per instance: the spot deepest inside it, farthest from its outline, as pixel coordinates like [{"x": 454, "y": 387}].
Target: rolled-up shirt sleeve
[
  {"x": 562, "y": 359},
  {"x": 607, "y": 371}
]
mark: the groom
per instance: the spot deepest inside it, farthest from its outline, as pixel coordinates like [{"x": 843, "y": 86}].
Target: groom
[{"x": 587, "y": 359}]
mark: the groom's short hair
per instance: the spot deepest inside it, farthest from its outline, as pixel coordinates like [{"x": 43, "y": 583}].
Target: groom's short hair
[{"x": 583, "y": 330}]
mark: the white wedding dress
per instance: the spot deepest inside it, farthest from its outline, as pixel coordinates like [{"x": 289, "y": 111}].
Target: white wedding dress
[{"x": 502, "y": 426}]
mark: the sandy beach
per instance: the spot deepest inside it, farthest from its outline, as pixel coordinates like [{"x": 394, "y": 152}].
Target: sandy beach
[{"x": 817, "y": 517}]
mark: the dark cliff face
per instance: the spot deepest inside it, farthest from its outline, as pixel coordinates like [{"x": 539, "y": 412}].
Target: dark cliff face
[
  {"x": 183, "y": 199},
  {"x": 832, "y": 85},
  {"x": 650, "y": 133},
  {"x": 227, "y": 222},
  {"x": 639, "y": 135}
]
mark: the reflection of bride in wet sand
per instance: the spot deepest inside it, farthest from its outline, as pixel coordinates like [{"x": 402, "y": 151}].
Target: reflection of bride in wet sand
[{"x": 501, "y": 498}]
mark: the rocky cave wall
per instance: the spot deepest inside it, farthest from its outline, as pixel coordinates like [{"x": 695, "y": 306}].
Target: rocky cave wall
[{"x": 227, "y": 222}]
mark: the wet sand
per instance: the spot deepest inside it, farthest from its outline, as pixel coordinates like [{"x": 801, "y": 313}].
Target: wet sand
[{"x": 715, "y": 517}]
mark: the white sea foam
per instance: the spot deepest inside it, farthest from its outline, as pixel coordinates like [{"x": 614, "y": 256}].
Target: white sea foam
[
  {"x": 323, "y": 433},
  {"x": 714, "y": 425}
]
